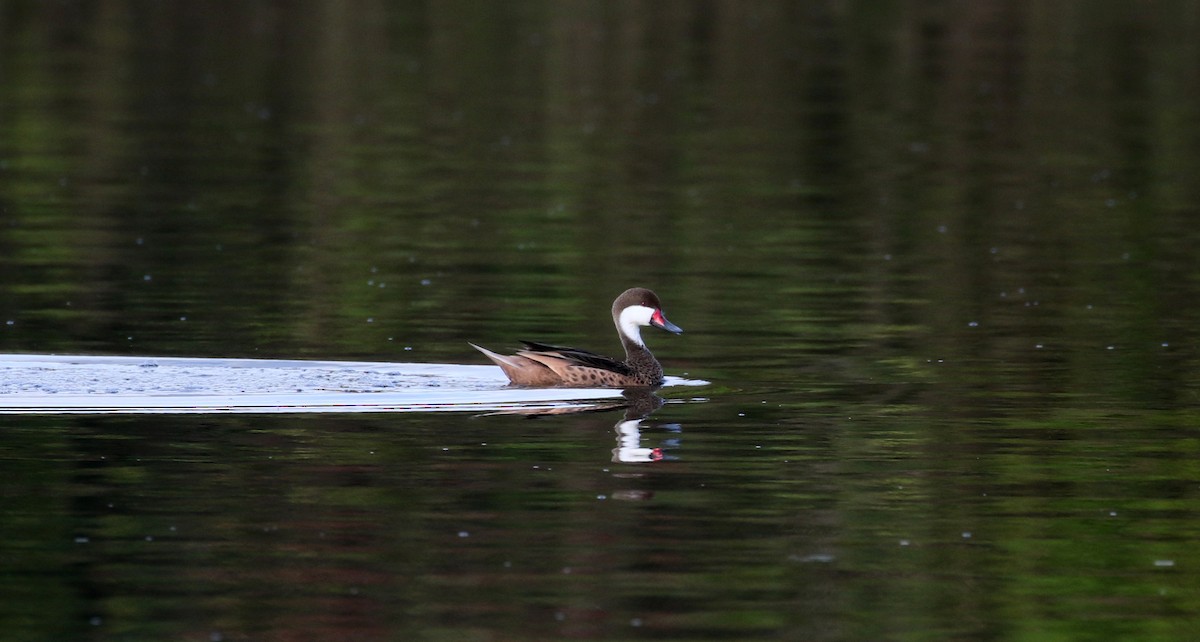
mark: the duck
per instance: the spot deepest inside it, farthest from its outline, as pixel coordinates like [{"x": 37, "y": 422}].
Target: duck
[{"x": 543, "y": 365}]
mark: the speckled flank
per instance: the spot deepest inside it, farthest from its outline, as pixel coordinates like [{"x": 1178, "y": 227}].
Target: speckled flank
[{"x": 583, "y": 378}]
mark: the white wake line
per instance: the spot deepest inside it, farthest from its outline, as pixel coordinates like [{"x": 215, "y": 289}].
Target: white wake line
[
  {"x": 295, "y": 403},
  {"x": 59, "y": 360},
  {"x": 48, "y": 384}
]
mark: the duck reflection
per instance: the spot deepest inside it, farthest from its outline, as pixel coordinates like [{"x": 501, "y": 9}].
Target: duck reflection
[
  {"x": 632, "y": 447},
  {"x": 640, "y": 404}
]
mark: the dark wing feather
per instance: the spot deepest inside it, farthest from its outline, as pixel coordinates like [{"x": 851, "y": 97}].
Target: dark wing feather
[{"x": 581, "y": 357}]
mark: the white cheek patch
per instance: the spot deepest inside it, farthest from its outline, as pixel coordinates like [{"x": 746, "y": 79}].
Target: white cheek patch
[{"x": 631, "y": 320}]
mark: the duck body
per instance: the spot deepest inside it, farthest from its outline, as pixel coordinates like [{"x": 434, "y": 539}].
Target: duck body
[{"x": 546, "y": 366}]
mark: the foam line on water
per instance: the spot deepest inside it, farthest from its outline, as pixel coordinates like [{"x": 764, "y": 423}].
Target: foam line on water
[{"x": 123, "y": 385}]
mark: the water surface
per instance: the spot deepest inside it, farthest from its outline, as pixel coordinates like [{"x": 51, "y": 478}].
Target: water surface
[{"x": 937, "y": 262}]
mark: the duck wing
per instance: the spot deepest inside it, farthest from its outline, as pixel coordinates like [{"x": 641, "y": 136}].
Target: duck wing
[{"x": 575, "y": 356}]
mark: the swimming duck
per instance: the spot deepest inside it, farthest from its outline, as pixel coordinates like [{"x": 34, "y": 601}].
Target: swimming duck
[{"x": 544, "y": 365}]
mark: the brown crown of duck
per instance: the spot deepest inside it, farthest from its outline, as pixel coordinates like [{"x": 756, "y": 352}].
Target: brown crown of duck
[{"x": 544, "y": 365}]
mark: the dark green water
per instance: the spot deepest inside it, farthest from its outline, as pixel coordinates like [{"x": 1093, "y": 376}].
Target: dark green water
[{"x": 937, "y": 260}]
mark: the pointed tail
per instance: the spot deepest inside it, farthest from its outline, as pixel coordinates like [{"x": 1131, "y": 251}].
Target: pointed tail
[{"x": 498, "y": 359}]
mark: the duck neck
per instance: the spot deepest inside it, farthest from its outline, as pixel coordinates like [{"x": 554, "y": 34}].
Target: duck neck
[
  {"x": 629, "y": 321},
  {"x": 643, "y": 363}
]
